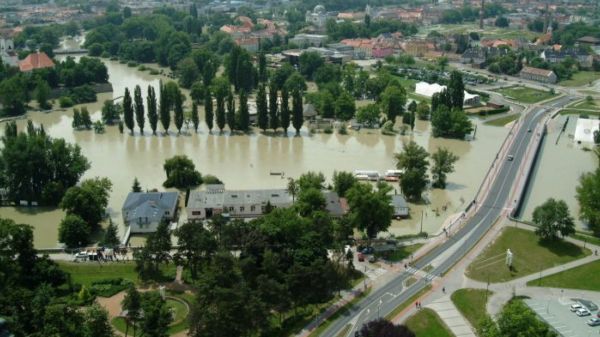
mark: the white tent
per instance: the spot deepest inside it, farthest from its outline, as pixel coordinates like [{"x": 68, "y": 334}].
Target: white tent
[
  {"x": 584, "y": 131},
  {"x": 427, "y": 90}
]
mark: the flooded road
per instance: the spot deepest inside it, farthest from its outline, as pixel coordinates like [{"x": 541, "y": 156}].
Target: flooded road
[
  {"x": 245, "y": 161},
  {"x": 562, "y": 164}
]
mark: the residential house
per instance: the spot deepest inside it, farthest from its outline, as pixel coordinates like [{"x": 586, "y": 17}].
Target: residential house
[
  {"x": 582, "y": 56},
  {"x": 251, "y": 44},
  {"x": 478, "y": 56},
  {"x": 418, "y": 47},
  {"x": 38, "y": 60},
  {"x": 215, "y": 199},
  {"x": 537, "y": 74},
  {"x": 401, "y": 209},
  {"x": 144, "y": 211},
  {"x": 589, "y": 40}
]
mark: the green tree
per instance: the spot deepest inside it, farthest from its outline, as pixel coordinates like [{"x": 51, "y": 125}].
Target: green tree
[
  {"x": 178, "y": 111},
  {"x": 382, "y": 327},
  {"x": 413, "y": 163},
  {"x": 195, "y": 116},
  {"x": 128, "y": 110},
  {"x": 273, "y": 107},
  {"x": 368, "y": 115},
  {"x": 423, "y": 111},
  {"x": 221, "y": 89},
  {"x": 552, "y": 218},
  {"x": 73, "y": 231},
  {"x": 97, "y": 323},
  {"x": 132, "y": 302},
  {"x": 208, "y": 110},
  {"x": 157, "y": 316},
  {"x": 110, "y": 112},
  {"x": 77, "y": 122},
  {"x": 188, "y": 72},
  {"x": 262, "y": 108},
  {"x": 196, "y": 246},
  {"x": 456, "y": 89},
  {"x": 309, "y": 63},
  {"x": 343, "y": 181},
  {"x": 231, "y": 112},
  {"x": 111, "y": 235},
  {"x": 89, "y": 200},
  {"x": 152, "y": 109},
  {"x": 197, "y": 92},
  {"x": 516, "y": 319},
  {"x": 295, "y": 83},
  {"x": 311, "y": 179},
  {"x": 371, "y": 211},
  {"x": 244, "y": 116},
  {"x": 443, "y": 164},
  {"x": 262, "y": 67},
  {"x": 13, "y": 96},
  {"x": 310, "y": 200},
  {"x": 285, "y": 111},
  {"x": 139, "y": 108},
  {"x": 42, "y": 91},
  {"x": 292, "y": 188},
  {"x": 181, "y": 173},
  {"x": 327, "y": 106},
  {"x": 393, "y": 100},
  {"x": 450, "y": 123},
  {"x": 86, "y": 119},
  {"x": 136, "y": 188},
  {"x": 345, "y": 107},
  {"x": 442, "y": 63},
  {"x": 164, "y": 108},
  {"x": 501, "y": 22},
  {"x": 297, "y": 111}
]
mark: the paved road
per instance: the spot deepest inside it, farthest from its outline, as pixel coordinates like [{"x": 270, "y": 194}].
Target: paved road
[{"x": 382, "y": 301}]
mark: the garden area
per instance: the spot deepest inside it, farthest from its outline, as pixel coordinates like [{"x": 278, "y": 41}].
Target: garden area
[
  {"x": 584, "y": 277},
  {"x": 472, "y": 304},
  {"x": 426, "y": 323},
  {"x": 530, "y": 255},
  {"x": 581, "y": 78},
  {"x": 525, "y": 94}
]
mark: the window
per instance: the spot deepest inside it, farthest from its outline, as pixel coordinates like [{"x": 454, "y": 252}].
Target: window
[
  {"x": 252, "y": 208},
  {"x": 198, "y": 213},
  {"x": 167, "y": 212},
  {"x": 230, "y": 208},
  {"x": 241, "y": 208}
]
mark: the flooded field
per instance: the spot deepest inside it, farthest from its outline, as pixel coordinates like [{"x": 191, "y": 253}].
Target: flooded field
[
  {"x": 562, "y": 164},
  {"x": 245, "y": 161}
]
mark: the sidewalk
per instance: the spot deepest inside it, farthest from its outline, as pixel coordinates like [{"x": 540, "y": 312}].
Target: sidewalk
[{"x": 451, "y": 317}]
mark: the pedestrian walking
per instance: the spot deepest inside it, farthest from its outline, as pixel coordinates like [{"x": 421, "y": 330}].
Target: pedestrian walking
[
  {"x": 417, "y": 304},
  {"x": 444, "y": 290}
]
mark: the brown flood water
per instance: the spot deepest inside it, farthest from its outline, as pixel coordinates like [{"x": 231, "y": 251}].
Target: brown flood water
[
  {"x": 562, "y": 164},
  {"x": 245, "y": 161}
]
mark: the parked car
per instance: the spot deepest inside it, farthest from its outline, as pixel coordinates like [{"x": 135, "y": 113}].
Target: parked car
[
  {"x": 593, "y": 321},
  {"x": 575, "y": 307},
  {"x": 372, "y": 258},
  {"x": 582, "y": 312},
  {"x": 368, "y": 250},
  {"x": 510, "y": 157},
  {"x": 361, "y": 257}
]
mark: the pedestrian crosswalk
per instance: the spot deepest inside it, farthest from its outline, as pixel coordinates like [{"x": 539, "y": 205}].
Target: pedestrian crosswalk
[{"x": 373, "y": 274}]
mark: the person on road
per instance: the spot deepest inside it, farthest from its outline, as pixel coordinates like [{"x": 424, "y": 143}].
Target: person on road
[{"x": 444, "y": 290}]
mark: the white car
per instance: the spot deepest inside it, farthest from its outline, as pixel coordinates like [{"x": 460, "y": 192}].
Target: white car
[
  {"x": 582, "y": 312},
  {"x": 594, "y": 321},
  {"x": 576, "y": 306}
]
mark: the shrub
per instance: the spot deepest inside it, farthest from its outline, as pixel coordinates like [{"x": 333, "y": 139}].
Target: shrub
[
  {"x": 132, "y": 64},
  {"x": 343, "y": 130},
  {"x": 109, "y": 287},
  {"x": 65, "y": 102},
  {"x": 328, "y": 130}
]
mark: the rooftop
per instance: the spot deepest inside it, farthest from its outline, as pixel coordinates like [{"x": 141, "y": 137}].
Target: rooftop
[{"x": 36, "y": 61}]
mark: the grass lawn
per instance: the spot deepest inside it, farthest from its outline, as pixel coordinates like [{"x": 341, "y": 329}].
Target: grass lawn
[
  {"x": 525, "y": 94},
  {"x": 578, "y": 112},
  {"x": 502, "y": 121},
  {"x": 407, "y": 83},
  {"x": 426, "y": 323},
  {"x": 581, "y": 78},
  {"x": 530, "y": 256},
  {"x": 85, "y": 273},
  {"x": 472, "y": 304},
  {"x": 399, "y": 254},
  {"x": 587, "y": 238},
  {"x": 593, "y": 105},
  {"x": 584, "y": 277}
]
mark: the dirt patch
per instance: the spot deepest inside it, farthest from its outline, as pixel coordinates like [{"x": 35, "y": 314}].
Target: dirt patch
[{"x": 112, "y": 304}]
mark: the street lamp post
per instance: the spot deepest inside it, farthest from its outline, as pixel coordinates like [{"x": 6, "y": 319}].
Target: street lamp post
[{"x": 421, "y": 231}]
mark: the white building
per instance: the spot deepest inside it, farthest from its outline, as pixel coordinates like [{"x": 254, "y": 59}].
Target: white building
[
  {"x": 584, "y": 131},
  {"x": 428, "y": 90}
]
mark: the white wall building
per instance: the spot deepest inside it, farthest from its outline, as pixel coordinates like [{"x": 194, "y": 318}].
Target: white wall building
[{"x": 428, "y": 90}]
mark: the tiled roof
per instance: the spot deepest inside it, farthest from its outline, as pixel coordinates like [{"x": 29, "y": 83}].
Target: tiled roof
[
  {"x": 536, "y": 71},
  {"x": 36, "y": 61}
]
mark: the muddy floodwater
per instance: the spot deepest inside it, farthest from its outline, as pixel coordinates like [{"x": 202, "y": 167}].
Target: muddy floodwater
[
  {"x": 245, "y": 161},
  {"x": 558, "y": 169}
]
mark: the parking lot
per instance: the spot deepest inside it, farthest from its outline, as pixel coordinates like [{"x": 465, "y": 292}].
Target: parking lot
[{"x": 557, "y": 313}]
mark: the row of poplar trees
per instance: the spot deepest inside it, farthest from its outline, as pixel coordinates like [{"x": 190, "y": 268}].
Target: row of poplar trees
[{"x": 272, "y": 113}]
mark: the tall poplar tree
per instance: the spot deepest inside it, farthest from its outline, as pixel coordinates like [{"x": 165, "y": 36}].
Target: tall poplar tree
[
  {"x": 220, "y": 112},
  {"x": 178, "y": 102},
  {"x": 456, "y": 90},
  {"x": 285, "y": 110},
  {"x": 208, "y": 110},
  {"x": 139, "y": 108},
  {"x": 231, "y": 112},
  {"x": 165, "y": 113},
  {"x": 262, "y": 67},
  {"x": 195, "y": 117},
  {"x": 261, "y": 108},
  {"x": 152, "y": 109},
  {"x": 244, "y": 117},
  {"x": 273, "y": 107},
  {"x": 297, "y": 117},
  {"x": 128, "y": 110}
]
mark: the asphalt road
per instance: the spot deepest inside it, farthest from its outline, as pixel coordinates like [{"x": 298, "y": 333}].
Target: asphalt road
[{"x": 385, "y": 299}]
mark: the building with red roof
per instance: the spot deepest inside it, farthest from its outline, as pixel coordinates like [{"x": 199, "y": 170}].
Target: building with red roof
[{"x": 34, "y": 61}]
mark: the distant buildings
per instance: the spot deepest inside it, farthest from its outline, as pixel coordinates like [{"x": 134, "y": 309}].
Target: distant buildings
[
  {"x": 582, "y": 56},
  {"x": 33, "y": 61},
  {"x": 144, "y": 211},
  {"x": 7, "y": 51},
  {"x": 318, "y": 17},
  {"x": 306, "y": 40},
  {"x": 538, "y": 75}
]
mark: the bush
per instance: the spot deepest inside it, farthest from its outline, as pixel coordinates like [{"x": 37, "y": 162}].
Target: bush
[
  {"x": 83, "y": 94},
  {"x": 132, "y": 64},
  {"x": 343, "y": 130},
  {"x": 328, "y": 130},
  {"x": 494, "y": 111},
  {"x": 142, "y": 68},
  {"x": 154, "y": 72},
  {"x": 109, "y": 287},
  {"x": 65, "y": 102}
]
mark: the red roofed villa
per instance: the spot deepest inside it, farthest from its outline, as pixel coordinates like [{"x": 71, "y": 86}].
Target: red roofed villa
[{"x": 35, "y": 61}]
